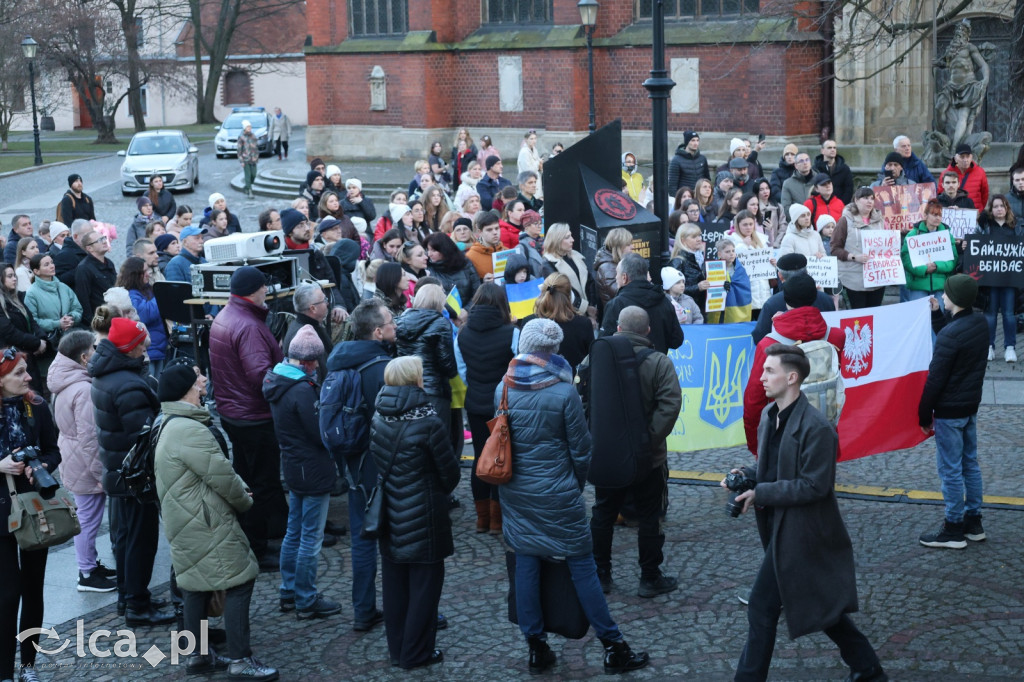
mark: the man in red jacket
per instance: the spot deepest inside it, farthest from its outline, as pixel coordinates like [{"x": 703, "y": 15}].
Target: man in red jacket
[
  {"x": 801, "y": 322},
  {"x": 242, "y": 351},
  {"x": 973, "y": 179}
]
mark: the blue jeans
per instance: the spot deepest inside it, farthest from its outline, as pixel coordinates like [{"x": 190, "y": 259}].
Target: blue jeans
[
  {"x": 1002, "y": 299},
  {"x": 364, "y": 560},
  {"x": 300, "y": 550},
  {"x": 956, "y": 456},
  {"x": 588, "y": 589}
]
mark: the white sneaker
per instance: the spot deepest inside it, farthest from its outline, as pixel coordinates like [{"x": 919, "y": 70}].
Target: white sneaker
[
  {"x": 991, "y": 353},
  {"x": 1011, "y": 354}
]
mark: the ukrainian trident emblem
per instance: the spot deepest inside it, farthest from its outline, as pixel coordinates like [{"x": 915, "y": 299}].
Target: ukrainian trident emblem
[{"x": 725, "y": 365}]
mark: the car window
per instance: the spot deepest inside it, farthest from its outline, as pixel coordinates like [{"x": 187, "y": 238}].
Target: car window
[
  {"x": 234, "y": 121},
  {"x": 162, "y": 144}
]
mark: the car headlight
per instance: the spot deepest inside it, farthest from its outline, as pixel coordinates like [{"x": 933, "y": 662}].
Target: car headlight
[{"x": 182, "y": 166}]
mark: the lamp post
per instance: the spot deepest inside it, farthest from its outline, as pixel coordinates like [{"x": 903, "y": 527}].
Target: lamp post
[
  {"x": 588, "y": 17},
  {"x": 28, "y": 48},
  {"x": 658, "y": 87}
]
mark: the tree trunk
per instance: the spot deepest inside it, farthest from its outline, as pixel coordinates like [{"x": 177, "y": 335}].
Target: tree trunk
[{"x": 131, "y": 30}]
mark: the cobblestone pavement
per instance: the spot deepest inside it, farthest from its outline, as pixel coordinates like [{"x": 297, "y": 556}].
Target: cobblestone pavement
[{"x": 933, "y": 615}]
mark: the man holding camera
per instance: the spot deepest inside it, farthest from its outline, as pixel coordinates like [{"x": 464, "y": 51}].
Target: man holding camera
[{"x": 808, "y": 562}]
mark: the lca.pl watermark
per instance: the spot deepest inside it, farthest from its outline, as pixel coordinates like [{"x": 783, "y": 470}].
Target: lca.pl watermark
[{"x": 98, "y": 644}]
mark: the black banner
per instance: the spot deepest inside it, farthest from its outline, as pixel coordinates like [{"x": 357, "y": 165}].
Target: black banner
[
  {"x": 711, "y": 233},
  {"x": 994, "y": 261}
]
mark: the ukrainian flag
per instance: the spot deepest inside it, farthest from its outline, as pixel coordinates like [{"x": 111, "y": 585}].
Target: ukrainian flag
[
  {"x": 521, "y": 297},
  {"x": 738, "y": 301},
  {"x": 454, "y": 302}
]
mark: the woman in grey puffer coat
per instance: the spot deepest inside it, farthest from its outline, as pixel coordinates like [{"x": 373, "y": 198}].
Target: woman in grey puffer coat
[{"x": 544, "y": 511}]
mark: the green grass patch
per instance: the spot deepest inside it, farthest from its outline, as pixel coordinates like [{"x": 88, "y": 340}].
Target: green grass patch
[{"x": 13, "y": 163}]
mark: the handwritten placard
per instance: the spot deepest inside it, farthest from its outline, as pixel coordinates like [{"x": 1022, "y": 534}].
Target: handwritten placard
[
  {"x": 994, "y": 261},
  {"x": 758, "y": 263},
  {"x": 929, "y": 247},
  {"x": 960, "y": 221},
  {"x": 884, "y": 266},
  {"x": 712, "y": 233},
  {"x": 716, "y": 300},
  {"x": 824, "y": 271},
  {"x": 498, "y": 261},
  {"x": 902, "y": 206},
  {"x": 716, "y": 272}
]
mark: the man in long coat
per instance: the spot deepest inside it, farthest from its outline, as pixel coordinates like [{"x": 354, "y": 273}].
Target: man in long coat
[{"x": 808, "y": 562}]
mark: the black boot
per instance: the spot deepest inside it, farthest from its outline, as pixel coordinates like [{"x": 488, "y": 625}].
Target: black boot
[
  {"x": 541, "y": 655},
  {"x": 619, "y": 658},
  {"x": 875, "y": 674}
]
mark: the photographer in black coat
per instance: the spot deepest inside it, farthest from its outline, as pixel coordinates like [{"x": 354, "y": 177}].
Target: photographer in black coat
[{"x": 124, "y": 401}]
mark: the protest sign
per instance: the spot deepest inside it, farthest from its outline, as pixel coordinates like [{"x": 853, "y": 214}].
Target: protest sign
[
  {"x": 994, "y": 261},
  {"x": 711, "y": 233},
  {"x": 715, "y": 300},
  {"x": 902, "y": 206},
  {"x": 522, "y": 297},
  {"x": 588, "y": 244},
  {"x": 758, "y": 263},
  {"x": 884, "y": 266},
  {"x": 715, "y": 270},
  {"x": 960, "y": 221},
  {"x": 929, "y": 247},
  {"x": 824, "y": 271},
  {"x": 498, "y": 260}
]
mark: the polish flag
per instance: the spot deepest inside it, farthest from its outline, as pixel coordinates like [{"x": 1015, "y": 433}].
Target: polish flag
[{"x": 884, "y": 366}]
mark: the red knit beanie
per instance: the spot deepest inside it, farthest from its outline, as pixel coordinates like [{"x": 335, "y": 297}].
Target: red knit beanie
[{"x": 126, "y": 334}]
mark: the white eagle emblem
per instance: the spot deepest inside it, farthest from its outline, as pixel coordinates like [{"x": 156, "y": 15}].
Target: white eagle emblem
[{"x": 858, "y": 350}]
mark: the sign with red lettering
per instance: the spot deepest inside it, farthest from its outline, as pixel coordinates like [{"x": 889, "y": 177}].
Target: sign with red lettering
[
  {"x": 884, "y": 266},
  {"x": 902, "y": 206}
]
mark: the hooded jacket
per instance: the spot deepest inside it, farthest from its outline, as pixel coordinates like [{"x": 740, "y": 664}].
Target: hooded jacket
[
  {"x": 201, "y": 497},
  {"x": 233, "y": 224},
  {"x": 806, "y": 242},
  {"x": 67, "y": 260},
  {"x": 685, "y": 169},
  {"x": 72, "y": 208},
  {"x": 509, "y": 234},
  {"x": 974, "y": 182},
  {"x": 71, "y": 385},
  {"x": 463, "y": 277},
  {"x": 50, "y": 301},
  {"x": 428, "y": 334},
  {"x": 242, "y": 351},
  {"x": 779, "y": 176},
  {"x": 346, "y": 251},
  {"x": 410, "y": 446},
  {"x": 543, "y": 509},
  {"x": 514, "y": 264},
  {"x": 819, "y": 206},
  {"x": 665, "y": 330},
  {"x": 797, "y": 324},
  {"x": 914, "y": 169},
  {"x": 486, "y": 345},
  {"x": 961, "y": 200},
  {"x": 294, "y": 399},
  {"x": 842, "y": 176},
  {"x": 634, "y": 180},
  {"x": 300, "y": 320},
  {"x": 480, "y": 256},
  {"x": 796, "y": 190},
  {"x": 149, "y": 315},
  {"x": 124, "y": 401}
]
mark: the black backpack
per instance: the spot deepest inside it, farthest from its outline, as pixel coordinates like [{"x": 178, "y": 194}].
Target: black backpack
[
  {"x": 137, "y": 472},
  {"x": 618, "y": 424}
]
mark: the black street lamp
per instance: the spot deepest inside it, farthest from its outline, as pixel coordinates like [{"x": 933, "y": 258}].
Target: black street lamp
[
  {"x": 588, "y": 17},
  {"x": 28, "y": 48},
  {"x": 658, "y": 87}
]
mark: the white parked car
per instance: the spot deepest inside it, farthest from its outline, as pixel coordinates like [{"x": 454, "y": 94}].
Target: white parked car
[
  {"x": 226, "y": 141},
  {"x": 167, "y": 153}
]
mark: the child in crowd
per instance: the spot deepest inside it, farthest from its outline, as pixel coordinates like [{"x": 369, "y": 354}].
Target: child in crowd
[
  {"x": 674, "y": 283},
  {"x": 517, "y": 269},
  {"x": 826, "y": 225},
  {"x": 737, "y": 299}
]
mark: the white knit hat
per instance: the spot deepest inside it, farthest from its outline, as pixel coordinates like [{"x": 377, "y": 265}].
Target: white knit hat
[
  {"x": 797, "y": 210},
  {"x": 670, "y": 277},
  {"x": 734, "y": 144},
  {"x": 824, "y": 221}
]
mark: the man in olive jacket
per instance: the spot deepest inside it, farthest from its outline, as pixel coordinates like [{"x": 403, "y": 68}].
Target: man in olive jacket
[
  {"x": 662, "y": 399},
  {"x": 808, "y": 561}
]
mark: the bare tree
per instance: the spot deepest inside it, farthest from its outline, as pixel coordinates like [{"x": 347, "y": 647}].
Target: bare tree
[
  {"x": 13, "y": 68},
  {"x": 218, "y": 27},
  {"x": 128, "y": 13}
]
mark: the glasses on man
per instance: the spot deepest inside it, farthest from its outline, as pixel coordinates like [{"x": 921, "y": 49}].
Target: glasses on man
[{"x": 101, "y": 240}]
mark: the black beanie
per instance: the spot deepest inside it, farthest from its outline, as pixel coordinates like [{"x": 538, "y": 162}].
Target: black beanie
[
  {"x": 894, "y": 157},
  {"x": 175, "y": 382},
  {"x": 962, "y": 290},
  {"x": 247, "y": 280},
  {"x": 799, "y": 291},
  {"x": 73, "y": 178}
]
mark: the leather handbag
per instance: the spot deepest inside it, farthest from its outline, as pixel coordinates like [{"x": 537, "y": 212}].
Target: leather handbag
[
  {"x": 495, "y": 463},
  {"x": 374, "y": 521},
  {"x": 38, "y": 523}
]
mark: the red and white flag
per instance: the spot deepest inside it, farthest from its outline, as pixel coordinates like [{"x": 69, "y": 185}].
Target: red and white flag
[{"x": 884, "y": 366}]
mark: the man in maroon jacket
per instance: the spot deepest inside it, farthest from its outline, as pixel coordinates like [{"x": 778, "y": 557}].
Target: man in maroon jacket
[{"x": 242, "y": 351}]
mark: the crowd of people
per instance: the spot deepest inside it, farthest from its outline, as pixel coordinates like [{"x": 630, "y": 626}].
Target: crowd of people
[{"x": 414, "y": 336}]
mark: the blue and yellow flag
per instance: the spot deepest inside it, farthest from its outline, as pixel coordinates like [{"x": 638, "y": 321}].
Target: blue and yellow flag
[
  {"x": 738, "y": 301},
  {"x": 713, "y": 366},
  {"x": 521, "y": 297},
  {"x": 454, "y": 302}
]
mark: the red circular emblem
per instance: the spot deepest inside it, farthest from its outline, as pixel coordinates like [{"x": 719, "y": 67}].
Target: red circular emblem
[{"x": 614, "y": 204}]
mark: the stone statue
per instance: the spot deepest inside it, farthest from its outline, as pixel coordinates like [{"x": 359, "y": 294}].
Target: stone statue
[{"x": 958, "y": 102}]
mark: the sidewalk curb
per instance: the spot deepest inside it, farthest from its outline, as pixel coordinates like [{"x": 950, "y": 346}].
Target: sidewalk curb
[{"x": 56, "y": 164}]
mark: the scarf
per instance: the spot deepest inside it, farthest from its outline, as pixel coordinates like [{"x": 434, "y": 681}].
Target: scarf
[
  {"x": 12, "y": 435},
  {"x": 534, "y": 371}
]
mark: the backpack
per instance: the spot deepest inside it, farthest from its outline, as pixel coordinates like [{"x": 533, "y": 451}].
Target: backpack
[
  {"x": 824, "y": 385},
  {"x": 344, "y": 413},
  {"x": 137, "y": 472},
  {"x": 610, "y": 377}
]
